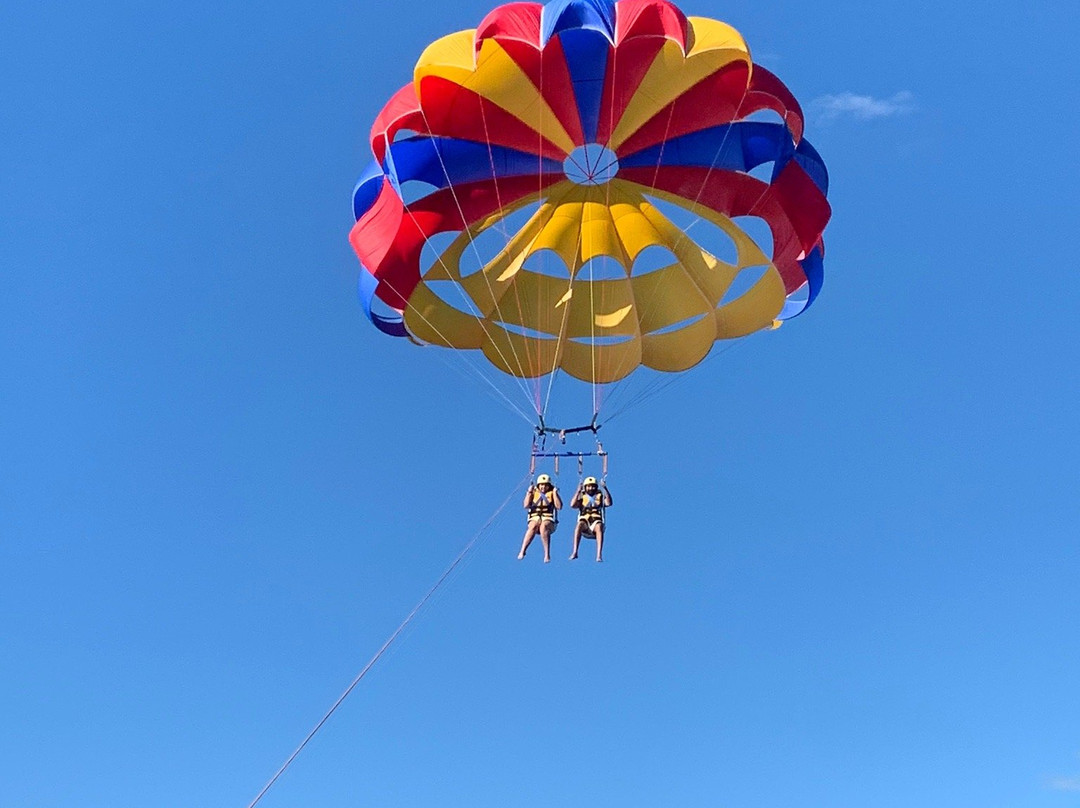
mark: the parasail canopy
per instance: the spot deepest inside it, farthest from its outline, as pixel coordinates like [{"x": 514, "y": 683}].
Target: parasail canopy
[{"x": 566, "y": 187}]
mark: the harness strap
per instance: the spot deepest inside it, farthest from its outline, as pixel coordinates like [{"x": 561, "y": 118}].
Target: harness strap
[{"x": 542, "y": 504}]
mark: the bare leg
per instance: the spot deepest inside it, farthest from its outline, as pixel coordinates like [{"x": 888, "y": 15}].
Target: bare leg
[
  {"x": 545, "y": 539},
  {"x": 577, "y": 540},
  {"x": 530, "y": 531},
  {"x": 599, "y": 533}
]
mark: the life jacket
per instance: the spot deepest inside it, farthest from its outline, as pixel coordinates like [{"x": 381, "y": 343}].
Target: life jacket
[
  {"x": 591, "y": 507},
  {"x": 543, "y": 504}
]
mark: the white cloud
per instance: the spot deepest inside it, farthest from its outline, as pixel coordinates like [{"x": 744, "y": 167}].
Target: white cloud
[
  {"x": 862, "y": 107},
  {"x": 1065, "y": 784}
]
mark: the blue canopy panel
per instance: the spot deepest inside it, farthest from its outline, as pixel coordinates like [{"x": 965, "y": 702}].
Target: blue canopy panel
[
  {"x": 810, "y": 161},
  {"x": 740, "y": 146},
  {"x": 814, "y": 267},
  {"x": 367, "y": 189},
  {"x": 591, "y": 15},
  {"x": 586, "y": 31},
  {"x": 734, "y": 147},
  {"x": 394, "y": 326},
  {"x": 444, "y": 162}
]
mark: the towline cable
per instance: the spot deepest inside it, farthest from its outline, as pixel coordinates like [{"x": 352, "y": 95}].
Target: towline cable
[{"x": 389, "y": 641}]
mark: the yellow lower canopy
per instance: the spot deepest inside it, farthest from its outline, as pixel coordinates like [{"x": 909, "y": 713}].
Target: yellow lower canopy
[{"x": 536, "y": 306}]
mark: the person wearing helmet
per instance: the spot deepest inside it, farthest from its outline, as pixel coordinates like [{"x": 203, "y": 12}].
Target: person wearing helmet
[
  {"x": 542, "y": 501},
  {"x": 590, "y": 502}
]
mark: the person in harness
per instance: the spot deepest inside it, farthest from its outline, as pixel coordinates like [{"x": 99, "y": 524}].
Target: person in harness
[
  {"x": 542, "y": 501},
  {"x": 590, "y": 502}
]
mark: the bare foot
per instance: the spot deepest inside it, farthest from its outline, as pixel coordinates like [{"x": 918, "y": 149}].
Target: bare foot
[
  {"x": 520, "y": 556},
  {"x": 598, "y": 558},
  {"x": 573, "y": 556},
  {"x": 547, "y": 560}
]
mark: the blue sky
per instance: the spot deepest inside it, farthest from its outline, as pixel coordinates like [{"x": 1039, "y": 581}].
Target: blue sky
[{"x": 843, "y": 558}]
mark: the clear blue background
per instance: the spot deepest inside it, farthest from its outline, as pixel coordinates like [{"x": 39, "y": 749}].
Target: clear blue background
[{"x": 843, "y": 560}]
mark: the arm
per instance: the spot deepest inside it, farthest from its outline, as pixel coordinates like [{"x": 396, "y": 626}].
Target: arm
[
  {"x": 556, "y": 498},
  {"x": 607, "y": 496},
  {"x": 528, "y": 498}
]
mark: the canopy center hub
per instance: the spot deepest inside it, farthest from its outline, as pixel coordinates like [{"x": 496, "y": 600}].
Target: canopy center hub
[{"x": 591, "y": 164}]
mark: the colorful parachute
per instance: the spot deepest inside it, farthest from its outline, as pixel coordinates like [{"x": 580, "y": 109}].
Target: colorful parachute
[{"x": 571, "y": 131}]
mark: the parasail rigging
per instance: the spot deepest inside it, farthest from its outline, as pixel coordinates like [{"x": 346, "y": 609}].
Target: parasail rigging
[
  {"x": 591, "y": 190},
  {"x": 588, "y": 189}
]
